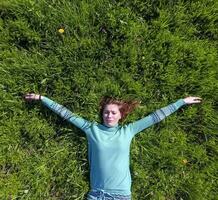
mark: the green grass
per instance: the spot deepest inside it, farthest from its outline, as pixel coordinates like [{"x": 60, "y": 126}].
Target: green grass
[{"x": 156, "y": 52}]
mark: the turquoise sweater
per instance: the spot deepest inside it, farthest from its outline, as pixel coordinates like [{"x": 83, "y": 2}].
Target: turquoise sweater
[{"x": 109, "y": 147}]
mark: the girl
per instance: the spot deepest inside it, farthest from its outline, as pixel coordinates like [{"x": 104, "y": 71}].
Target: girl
[{"x": 109, "y": 143}]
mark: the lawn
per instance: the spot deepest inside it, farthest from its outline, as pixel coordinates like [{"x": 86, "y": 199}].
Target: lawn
[{"x": 76, "y": 52}]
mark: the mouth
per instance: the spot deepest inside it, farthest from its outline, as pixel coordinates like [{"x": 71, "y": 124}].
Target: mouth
[{"x": 109, "y": 120}]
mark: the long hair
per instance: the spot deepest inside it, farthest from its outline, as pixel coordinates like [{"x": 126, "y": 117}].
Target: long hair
[{"x": 125, "y": 106}]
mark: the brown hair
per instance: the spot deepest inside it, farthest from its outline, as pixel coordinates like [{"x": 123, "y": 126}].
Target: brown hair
[{"x": 125, "y": 106}]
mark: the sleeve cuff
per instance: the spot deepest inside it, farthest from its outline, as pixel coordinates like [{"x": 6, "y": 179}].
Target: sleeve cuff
[
  {"x": 180, "y": 103},
  {"x": 45, "y": 100}
]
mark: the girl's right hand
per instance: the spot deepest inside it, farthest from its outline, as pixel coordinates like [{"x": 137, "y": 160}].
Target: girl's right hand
[{"x": 32, "y": 96}]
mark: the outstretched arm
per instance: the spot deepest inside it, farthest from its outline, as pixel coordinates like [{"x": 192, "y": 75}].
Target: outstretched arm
[
  {"x": 160, "y": 114},
  {"x": 60, "y": 110}
]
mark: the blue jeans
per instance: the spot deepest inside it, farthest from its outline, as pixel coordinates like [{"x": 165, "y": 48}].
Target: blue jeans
[{"x": 101, "y": 195}]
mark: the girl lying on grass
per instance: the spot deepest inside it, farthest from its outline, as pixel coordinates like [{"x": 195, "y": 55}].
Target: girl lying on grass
[{"x": 109, "y": 143}]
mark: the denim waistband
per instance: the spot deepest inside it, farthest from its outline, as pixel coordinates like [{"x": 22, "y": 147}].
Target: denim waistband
[{"x": 98, "y": 193}]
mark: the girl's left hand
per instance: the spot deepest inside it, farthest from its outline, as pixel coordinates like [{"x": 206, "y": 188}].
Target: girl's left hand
[{"x": 190, "y": 100}]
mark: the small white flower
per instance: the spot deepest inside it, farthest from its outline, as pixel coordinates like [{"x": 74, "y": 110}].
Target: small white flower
[{"x": 26, "y": 191}]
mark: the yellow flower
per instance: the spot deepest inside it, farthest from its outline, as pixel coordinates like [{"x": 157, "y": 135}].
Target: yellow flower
[
  {"x": 184, "y": 161},
  {"x": 61, "y": 30}
]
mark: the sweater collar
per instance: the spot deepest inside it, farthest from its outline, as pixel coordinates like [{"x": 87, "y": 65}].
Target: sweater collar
[{"x": 107, "y": 128}]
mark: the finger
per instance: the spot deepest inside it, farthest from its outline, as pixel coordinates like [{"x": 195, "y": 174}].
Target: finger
[
  {"x": 196, "y": 101},
  {"x": 26, "y": 96},
  {"x": 29, "y": 96}
]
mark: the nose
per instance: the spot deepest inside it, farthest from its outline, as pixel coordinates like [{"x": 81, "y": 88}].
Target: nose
[{"x": 109, "y": 114}]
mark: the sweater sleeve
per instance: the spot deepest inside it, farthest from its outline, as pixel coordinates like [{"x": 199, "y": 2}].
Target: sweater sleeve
[
  {"x": 66, "y": 114},
  {"x": 155, "y": 117}
]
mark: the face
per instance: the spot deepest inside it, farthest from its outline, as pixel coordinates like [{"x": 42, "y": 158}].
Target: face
[{"x": 111, "y": 115}]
